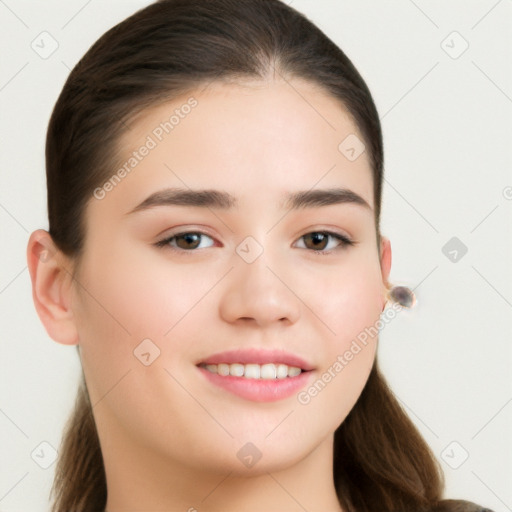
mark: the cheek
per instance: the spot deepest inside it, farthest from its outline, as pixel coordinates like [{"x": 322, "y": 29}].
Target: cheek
[
  {"x": 350, "y": 305},
  {"x": 122, "y": 302},
  {"x": 131, "y": 298},
  {"x": 142, "y": 296},
  {"x": 346, "y": 299},
  {"x": 351, "y": 310},
  {"x": 348, "y": 357}
]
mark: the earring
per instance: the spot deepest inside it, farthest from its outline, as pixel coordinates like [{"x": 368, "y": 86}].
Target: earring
[{"x": 402, "y": 295}]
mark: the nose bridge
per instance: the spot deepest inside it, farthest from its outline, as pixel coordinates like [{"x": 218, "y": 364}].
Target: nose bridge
[
  {"x": 256, "y": 276},
  {"x": 257, "y": 289}
]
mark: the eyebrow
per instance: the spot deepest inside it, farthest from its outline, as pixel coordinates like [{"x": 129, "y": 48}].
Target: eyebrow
[{"x": 218, "y": 199}]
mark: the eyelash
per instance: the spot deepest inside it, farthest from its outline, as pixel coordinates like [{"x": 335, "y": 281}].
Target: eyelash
[{"x": 344, "y": 241}]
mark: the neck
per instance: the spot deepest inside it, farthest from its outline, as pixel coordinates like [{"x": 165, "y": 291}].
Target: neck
[{"x": 140, "y": 480}]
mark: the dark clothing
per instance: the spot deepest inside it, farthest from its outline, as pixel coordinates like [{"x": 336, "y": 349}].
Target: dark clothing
[{"x": 459, "y": 506}]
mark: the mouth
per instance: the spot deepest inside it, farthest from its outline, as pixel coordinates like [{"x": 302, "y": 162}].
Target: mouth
[
  {"x": 268, "y": 371},
  {"x": 260, "y": 376}
]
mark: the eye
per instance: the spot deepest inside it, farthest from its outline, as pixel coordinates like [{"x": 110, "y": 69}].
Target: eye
[
  {"x": 319, "y": 241},
  {"x": 185, "y": 241}
]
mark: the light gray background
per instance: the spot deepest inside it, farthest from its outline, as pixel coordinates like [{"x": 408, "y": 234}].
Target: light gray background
[{"x": 447, "y": 131}]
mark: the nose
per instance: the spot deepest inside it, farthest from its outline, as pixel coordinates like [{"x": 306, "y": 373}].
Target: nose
[{"x": 259, "y": 293}]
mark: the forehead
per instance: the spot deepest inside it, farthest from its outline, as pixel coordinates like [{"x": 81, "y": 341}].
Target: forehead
[{"x": 269, "y": 137}]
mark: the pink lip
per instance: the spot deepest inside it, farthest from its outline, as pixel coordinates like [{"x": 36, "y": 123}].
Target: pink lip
[
  {"x": 259, "y": 390},
  {"x": 258, "y": 356}
]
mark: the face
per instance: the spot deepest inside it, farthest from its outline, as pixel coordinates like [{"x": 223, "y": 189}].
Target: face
[{"x": 185, "y": 280}]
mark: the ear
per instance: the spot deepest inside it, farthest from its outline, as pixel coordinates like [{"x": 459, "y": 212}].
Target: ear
[
  {"x": 385, "y": 265},
  {"x": 51, "y": 276}
]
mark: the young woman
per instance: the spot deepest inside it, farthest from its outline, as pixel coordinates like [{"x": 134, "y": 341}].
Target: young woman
[{"x": 214, "y": 174}]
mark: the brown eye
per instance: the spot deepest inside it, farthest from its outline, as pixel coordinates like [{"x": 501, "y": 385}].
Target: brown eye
[
  {"x": 185, "y": 241},
  {"x": 316, "y": 240},
  {"x": 319, "y": 241},
  {"x": 188, "y": 240}
]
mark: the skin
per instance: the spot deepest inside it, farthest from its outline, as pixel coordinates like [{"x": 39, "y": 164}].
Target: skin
[{"x": 169, "y": 438}]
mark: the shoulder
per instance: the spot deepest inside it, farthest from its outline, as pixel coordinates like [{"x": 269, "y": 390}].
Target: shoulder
[{"x": 459, "y": 506}]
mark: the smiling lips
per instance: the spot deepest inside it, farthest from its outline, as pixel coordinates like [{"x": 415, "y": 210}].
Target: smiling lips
[
  {"x": 259, "y": 357},
  {"x": 253, "y": 374}
]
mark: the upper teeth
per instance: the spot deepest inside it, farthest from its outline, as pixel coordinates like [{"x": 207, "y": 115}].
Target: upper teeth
[{"x": 254, "y": 371}]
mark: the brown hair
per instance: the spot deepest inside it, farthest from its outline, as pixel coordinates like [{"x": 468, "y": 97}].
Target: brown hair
[{"x": 168, "y": 48}]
